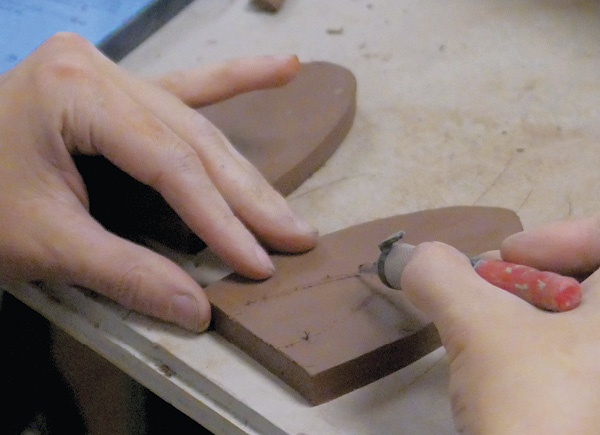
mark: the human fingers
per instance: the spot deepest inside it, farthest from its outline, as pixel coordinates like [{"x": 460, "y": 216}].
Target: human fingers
[
  {"x": 569, "y": 247},
  {"x": 502, "y": 350},
  {"x": 137, "y": 278},
  {"x": 135, "y": 140},
  {"x": 212, "y": 83},
  {"x": 263, "y": 210},
  {"x": 54, "y": 97},
  {"x": 441, "y": 282},
  {"x": 157, "y": 139},
  {"x": 48, "y": 235}
]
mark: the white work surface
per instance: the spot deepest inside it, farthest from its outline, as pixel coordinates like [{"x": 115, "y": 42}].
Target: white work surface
[{"x": 463, "y": 102}]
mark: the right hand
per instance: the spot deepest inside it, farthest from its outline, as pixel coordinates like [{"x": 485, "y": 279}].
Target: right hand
[{"x": 515, "y": 369}]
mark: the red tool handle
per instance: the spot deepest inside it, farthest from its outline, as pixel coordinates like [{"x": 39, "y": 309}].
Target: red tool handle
[{"x": 546, "y": 290}]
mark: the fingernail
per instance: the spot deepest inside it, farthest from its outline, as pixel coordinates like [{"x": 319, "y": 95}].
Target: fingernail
[
  {"x": 186, "y": 313},
  {"x": 282, "y": 56},
  {"x": 304, "y": 227},
  {"x": 516, "y": 237},
  {"x": 264, "y": 259}
]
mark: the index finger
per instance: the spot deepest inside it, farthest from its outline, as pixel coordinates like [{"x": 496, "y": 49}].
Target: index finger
[
  {"x": 229, "y": 78},
  {"x": 569, "y": 247}
]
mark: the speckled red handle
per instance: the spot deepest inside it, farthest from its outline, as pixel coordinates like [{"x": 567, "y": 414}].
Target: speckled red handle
[{"x": 546, "y": 290}]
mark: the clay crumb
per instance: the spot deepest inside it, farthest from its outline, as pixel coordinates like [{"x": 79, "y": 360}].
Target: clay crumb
[
  {"x": 336, "y": 31},
  {"x": 166, "y": 370},
  {"x": 268, "y": 5},
  {"x": 306, "y": 336}
]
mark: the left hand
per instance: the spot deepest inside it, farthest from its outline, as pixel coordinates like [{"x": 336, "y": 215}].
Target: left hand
[{"x": 67, "y": 98}]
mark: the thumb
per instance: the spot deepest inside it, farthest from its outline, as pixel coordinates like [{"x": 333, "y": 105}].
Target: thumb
[
  {"x": 441, "y": 282},
  {"x": 134, "y": 276},
  {"x": 568, "y": 247}
]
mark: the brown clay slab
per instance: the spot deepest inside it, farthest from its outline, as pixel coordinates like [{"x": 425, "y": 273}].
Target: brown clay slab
[
  {"x": 324, "y": 329},
  {"x": 290, "y": 131}
]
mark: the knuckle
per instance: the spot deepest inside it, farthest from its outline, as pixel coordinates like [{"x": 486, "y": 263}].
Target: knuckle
[
  {"x": 177, "y": 162},
  {"x": 130, "y": 286},
  {"x": 185, "y": 161},
  {"x": 171, "y": 82},
  {"x": 428, "y": 249},
  {"x": 214, "y": 149},
  {"x": 66, "y": 59},
  {"x": 70, "y": 70},
  {"x": 201, "y": 128},
  {"x": 67, "y": 41},
  {"x": 229, "y": 73},
  {"x": 433, "y": 250},
  {"x": 218, "y": 154},
  {"x": 425, "y": 254}
]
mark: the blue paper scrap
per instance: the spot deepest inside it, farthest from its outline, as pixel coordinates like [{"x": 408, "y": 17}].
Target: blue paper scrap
[{"x": 25, "y": 24}]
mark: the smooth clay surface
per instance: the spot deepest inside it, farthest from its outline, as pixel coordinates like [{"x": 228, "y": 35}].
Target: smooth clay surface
[
  {"x": 326, "y": 330},
  {"x": 290, "y": 131}
]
